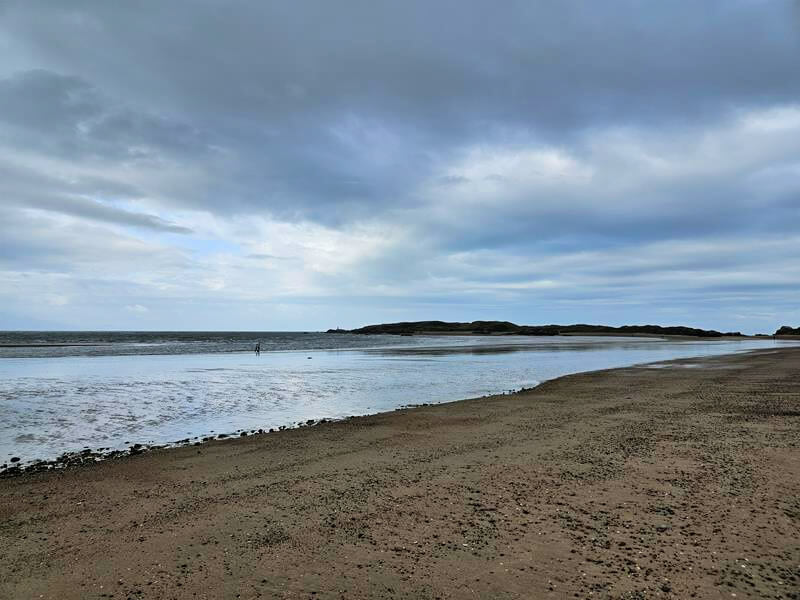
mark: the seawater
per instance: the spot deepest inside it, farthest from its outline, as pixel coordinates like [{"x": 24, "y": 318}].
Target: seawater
[{"x": 114, "y": 390}]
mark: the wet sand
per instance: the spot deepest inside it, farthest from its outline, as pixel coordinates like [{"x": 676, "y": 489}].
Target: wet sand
[{"x": 680, "y": 481}]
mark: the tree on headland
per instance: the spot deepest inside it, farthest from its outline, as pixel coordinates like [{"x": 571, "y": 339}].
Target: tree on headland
[{"x": 786, "y": 330}]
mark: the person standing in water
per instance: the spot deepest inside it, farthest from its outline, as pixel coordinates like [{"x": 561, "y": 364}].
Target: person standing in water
[{"x": 258, "y": 348}]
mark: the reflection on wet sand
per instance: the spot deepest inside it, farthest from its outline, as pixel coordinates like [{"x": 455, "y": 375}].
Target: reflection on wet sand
[{"x": 500, "y": 348}]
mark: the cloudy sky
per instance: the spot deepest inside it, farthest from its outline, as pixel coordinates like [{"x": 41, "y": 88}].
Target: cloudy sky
[{"x": 304, "y": 165}]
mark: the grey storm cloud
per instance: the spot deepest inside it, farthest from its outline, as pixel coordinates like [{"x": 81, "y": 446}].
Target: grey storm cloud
[
  {"x": 309, "y": 95},
  {"x": 67, "y": 115},
  {"x": 31, "y": 190},
  {"x": 387, "y": 149}
]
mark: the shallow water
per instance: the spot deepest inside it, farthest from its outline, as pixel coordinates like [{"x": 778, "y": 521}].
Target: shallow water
[
  {"x": 39, "y": 344},
  {"x": 113, "y": 399}
]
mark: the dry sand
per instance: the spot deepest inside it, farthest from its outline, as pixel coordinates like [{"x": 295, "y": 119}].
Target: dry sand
[{"x": 632, "y": 483}]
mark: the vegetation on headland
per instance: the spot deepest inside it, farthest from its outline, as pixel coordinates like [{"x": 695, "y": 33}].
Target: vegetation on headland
[
  {"x": 508, "y": 328},
  {"x": 786, "y": 330}
]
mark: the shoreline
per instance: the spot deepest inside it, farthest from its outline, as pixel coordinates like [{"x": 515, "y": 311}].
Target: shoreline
[
  {"x": 652, "y": 481},
  {"x": 15, "y": 465}
]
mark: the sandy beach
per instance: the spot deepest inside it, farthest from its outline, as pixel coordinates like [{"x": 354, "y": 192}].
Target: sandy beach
[{"x": 680, "y": 481}]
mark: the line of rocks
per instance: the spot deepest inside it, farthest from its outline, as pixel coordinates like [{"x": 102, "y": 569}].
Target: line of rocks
[{"x": 14, "y": 466}]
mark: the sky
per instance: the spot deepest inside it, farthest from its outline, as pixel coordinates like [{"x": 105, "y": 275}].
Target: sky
[{"x": 299, "y": 165}]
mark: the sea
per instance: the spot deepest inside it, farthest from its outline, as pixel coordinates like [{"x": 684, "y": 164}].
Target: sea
[{"x": 70, "y": 391}]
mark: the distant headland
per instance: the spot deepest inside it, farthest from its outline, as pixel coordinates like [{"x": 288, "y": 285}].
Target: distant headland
[{"x": 508, "y": 328}]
